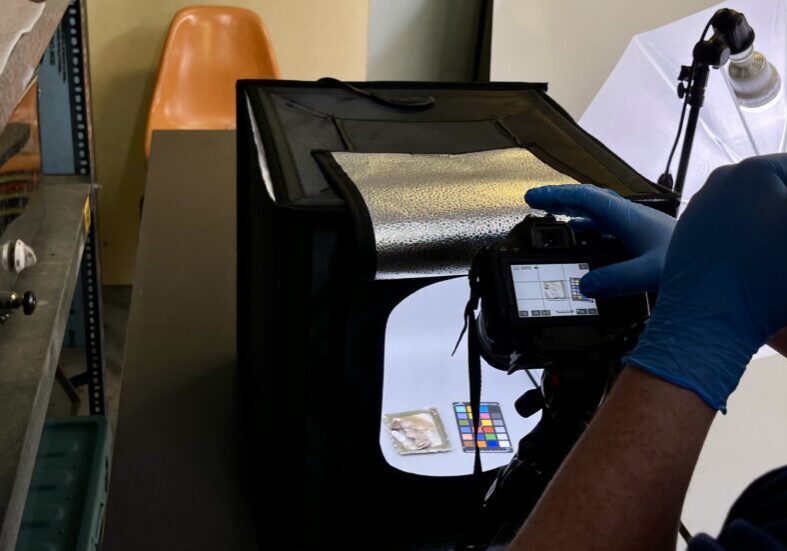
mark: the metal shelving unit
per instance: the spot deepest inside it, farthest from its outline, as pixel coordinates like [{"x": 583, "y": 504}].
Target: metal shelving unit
[
  {"x": 68, "y": 49},
  {"x": 67, "y": 245},
  {"x": 30, "y": 347}
]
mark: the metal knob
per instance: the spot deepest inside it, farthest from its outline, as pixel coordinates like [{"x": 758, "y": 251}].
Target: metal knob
[
  {"x": 12, "y": 301},
  {"x": 29, "y": 302}
]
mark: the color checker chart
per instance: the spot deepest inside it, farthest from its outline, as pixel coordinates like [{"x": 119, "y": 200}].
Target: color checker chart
[{"x": 492, "y": 433}]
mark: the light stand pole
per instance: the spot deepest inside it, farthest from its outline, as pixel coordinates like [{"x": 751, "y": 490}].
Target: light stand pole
[{"x": 731, "y": 35}]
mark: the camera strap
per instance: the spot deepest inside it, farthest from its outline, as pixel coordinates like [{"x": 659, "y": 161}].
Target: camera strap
[
  {"x": 474, "y": 373},
  {"x": 473, "y": 353}
]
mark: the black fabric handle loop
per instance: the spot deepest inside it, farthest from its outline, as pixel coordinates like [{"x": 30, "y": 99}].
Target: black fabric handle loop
[{"x": 397, "y": 102}]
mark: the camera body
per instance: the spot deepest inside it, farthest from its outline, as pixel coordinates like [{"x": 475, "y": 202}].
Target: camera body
[{"x": 533, "y": 313}]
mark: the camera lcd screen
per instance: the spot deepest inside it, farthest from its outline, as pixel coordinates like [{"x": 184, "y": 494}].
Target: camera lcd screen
[{"x": 551, "y": 290}]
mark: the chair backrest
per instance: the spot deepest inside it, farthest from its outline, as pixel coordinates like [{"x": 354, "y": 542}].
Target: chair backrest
[
  {"x": 208, "y": 48},
  {"x": 28, "y": 159}
]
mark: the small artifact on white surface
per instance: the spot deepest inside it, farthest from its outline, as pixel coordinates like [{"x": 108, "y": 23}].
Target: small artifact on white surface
[
  {"x": 418, "y": 431},
  {"x": 554, "y": 290}
]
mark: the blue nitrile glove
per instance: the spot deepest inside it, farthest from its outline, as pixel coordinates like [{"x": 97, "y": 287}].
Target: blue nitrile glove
[
  {"x": 645, "y": 232},
  {"x": 723, "y": 290}
]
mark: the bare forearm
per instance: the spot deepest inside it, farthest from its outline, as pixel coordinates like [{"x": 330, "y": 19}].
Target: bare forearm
[{"x": 623, "y": 485}]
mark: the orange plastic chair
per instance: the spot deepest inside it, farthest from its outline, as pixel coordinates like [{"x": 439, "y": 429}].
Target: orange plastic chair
[
  {"x": 208, "y": 48},
  {"x": 29, "y": 158}
]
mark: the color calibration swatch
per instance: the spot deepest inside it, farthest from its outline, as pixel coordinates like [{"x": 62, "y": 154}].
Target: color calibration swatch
[
  {"x": 576, "y": 294},
  {"x": 492, "y": 433}
]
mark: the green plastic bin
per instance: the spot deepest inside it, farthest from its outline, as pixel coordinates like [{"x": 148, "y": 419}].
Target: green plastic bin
[{"x": 68, "y": 492}]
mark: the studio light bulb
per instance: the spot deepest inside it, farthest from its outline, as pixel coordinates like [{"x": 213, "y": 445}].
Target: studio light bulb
[{"x": 753, "y": 79}]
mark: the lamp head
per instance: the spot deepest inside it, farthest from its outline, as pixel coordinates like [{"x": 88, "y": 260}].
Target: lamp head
[
  {"x": 753, "y": 79},
  {"x": 732, "y": 27}
]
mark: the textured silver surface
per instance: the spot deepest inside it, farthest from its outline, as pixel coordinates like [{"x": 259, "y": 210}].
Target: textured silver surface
[{"x": 432, "y": 213}]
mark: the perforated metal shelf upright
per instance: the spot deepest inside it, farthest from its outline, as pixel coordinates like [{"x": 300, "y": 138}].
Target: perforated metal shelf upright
[{"x": 66, "y": 243}]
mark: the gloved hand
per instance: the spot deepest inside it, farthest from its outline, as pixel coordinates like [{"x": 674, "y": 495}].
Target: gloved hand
[
  {"x": 723, "y": 290},
  {"x": 644, "y": 231}
]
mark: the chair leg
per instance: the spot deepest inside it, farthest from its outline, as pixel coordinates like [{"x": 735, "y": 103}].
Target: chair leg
[{"x": 71, "y": 391}]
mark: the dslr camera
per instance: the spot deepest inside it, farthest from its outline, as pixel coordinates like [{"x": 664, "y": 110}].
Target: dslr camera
[{"x": 533, "y": 315}]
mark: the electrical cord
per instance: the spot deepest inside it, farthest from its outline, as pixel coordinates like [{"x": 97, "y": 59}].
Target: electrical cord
[
  {"x": 684, "y": 533},
  {"x": 680, "y": 122},
  {"x": 685, "y": 105}
]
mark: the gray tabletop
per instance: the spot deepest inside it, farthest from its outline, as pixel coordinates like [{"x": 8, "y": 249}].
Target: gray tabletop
[
  {"x": 30, "y": 347},
  {"x": 179, "y": 478}
]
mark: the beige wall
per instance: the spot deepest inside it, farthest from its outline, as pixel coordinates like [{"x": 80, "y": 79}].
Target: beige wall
[
  {"x": 422, "y": 39},
  {"x": 574, "y": 45},
  {"x": 312, "y": 38},
  {"x": 743, "y": 445}
]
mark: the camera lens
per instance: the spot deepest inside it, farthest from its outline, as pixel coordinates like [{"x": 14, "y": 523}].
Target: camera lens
[{"x": 490, "y": 350}]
